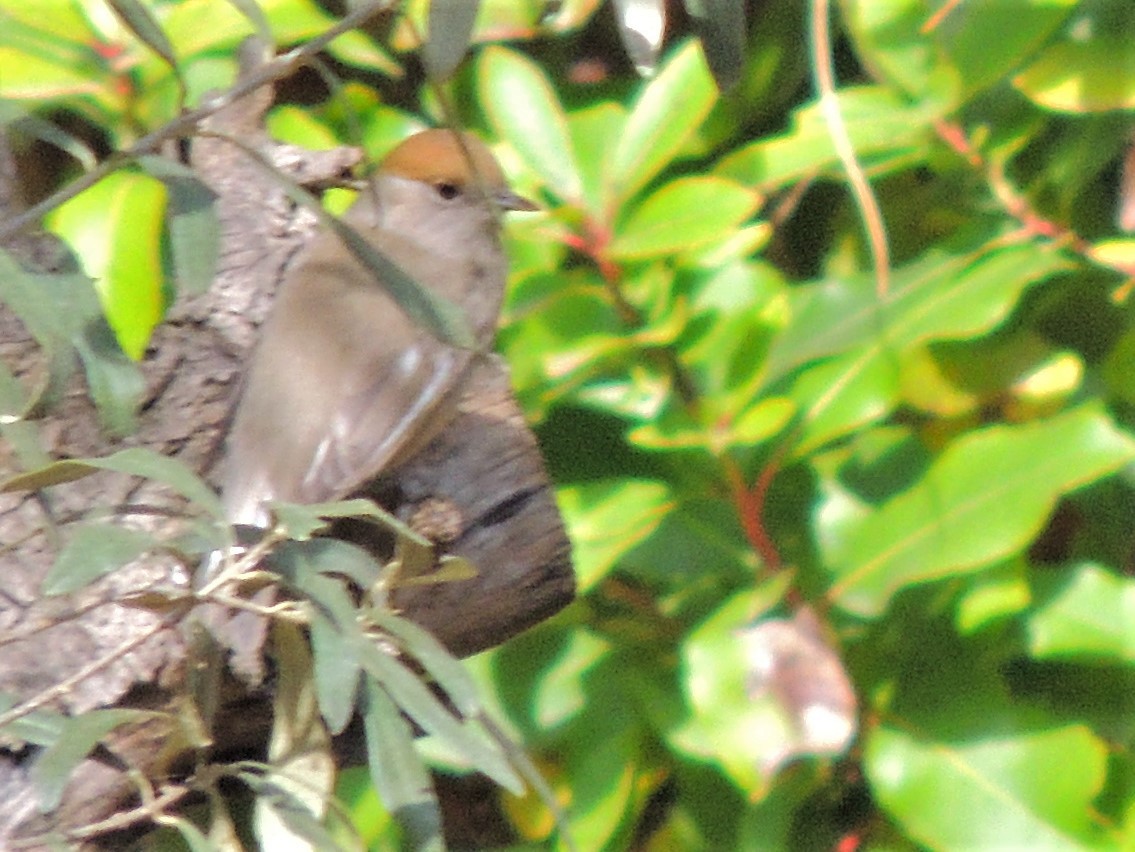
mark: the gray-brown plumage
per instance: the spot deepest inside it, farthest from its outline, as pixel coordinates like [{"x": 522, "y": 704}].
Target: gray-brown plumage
[{"x": 343, "y": 386}]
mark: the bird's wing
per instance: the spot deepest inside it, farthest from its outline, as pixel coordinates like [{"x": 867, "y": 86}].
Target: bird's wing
[{"x": 381, "y": 422}]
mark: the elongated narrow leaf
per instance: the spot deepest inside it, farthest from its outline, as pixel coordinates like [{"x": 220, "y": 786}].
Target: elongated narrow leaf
[
  {"x": 337, "y": 672},
  {"x": 142, "y": 22},
  {"x": 523, "y": 107},
  {"x": 135, "y": 461},
  {"x": 94, "y": 550},
  {"x": 450, "y": 31},
  {"x": 983, "y": 500},
  {"x": 80, "y": 734},
  {"x": 42, "y": 727},
  {"x": 399, "y": 776},
  {"x": 424, "y": 708},
  {"x": 442, "y": 666}
]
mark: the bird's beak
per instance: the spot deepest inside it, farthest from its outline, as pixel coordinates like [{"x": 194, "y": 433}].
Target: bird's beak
[{"x": 508, "y": 200}]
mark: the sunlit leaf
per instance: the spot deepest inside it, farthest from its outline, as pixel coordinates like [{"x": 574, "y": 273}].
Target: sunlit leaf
[
  {"x": 664, "y": 116},
  {"x": 984, "y": 499},
  {"x": 524, "y": 108},
  {"x": 1090, "y": 618}
]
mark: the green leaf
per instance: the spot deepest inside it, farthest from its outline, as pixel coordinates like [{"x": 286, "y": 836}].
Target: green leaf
[
  {"x": 135, "y": 461},
  {"x": 41, "y": 727},
  {"x": 1084, "y": 76},
  {"x": 1090, "y": 618},
  {"x": 92, "y": 551},
  {"x": 426, "y": 710},
  {"x": 115, "y": 228},
  {"x": 448, "y": 36},
  {"x": 399, "y": 776},
  {"x": 606, "y": 519},
  {"x": 255, "y": 16},
  {"x": 684, "y": 214},
  {"x": 337, "y": 670},
  {"x": 52, "y": 769},
  {"x": 665, "y": 115},
  {"x": 439, "y": 663},
  {"x": 1022, "y": 26},
  {"x": 1016, "y": 787},
  {"x": 142, "y": 23},
  {"x": 523, "y": 107},
  {"x": 194, "y": 230},
  {"x": 24, "y": 123},
  {"x": 983, "y": 500},
  {"x": 944, "y": 296}
]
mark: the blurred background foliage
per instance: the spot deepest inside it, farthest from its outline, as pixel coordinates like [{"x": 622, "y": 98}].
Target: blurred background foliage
[{"x": 788, "y": 472}]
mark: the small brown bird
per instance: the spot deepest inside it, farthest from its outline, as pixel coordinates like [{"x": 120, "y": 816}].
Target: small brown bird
[{"x": 344, "y": 386}]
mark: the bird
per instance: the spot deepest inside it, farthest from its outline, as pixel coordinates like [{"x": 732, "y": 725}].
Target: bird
[{"x": 343, "y": 386}]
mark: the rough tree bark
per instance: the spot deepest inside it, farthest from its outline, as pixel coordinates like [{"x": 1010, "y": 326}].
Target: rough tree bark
[{"x": 486, "y": 471}]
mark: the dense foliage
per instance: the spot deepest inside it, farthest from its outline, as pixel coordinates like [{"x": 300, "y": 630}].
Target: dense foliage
[{"x": 904, "y": 471}]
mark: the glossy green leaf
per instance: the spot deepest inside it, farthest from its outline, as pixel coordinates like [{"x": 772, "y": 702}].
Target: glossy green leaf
[
  {"x": 92, "y": 551},
  {"x": 1084, "y": 76},
  {"x": 893, "y": 38},
  {"x": 402, "y": 781},
  {"x": 942, "y": 297},
  {"x": 523, "y": 107},
  {"x": 668, "y": 111},
  {"x": 1090, "y": 618},
  {"x": 983, "y": 500},
  {"x": 142, "y": 23},
  {"x": 116, "y": 229},
  {"x": 448, "y": 36},
  {"x": 52, "y": 769},
  {"x": 1022, "y": 26},
  {"x": 607, "y": 519},
  {"x": 1018, "y": 787},
  {"x": 684, "y": 214}
]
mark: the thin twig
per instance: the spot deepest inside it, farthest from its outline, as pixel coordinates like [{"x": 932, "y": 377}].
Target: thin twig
[
  {"x": 824, "y": 76},
  {"x": 150, "y": 810},
  {"x": 61, "y": 688}
]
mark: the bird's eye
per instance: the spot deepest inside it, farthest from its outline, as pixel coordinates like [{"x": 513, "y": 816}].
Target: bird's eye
[{"x": 447, "y": 190}]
